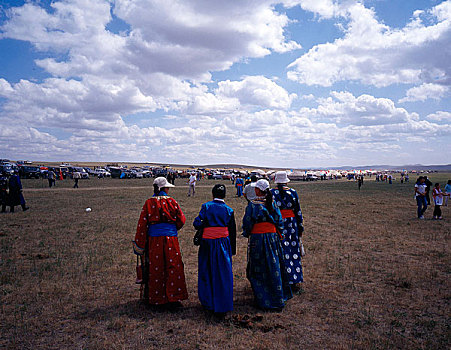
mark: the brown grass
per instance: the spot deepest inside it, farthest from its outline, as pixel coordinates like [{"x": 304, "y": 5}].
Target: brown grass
[{"x": 375, "y": 276}]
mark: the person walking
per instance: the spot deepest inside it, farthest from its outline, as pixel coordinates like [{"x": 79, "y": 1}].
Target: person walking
[
  {"x": 192, "y": 184},
  {"x": 76, "y": 176},
  {"x": 448, "y": 192},
  {"x": 428, "y": 184},
  {"x": 287, "y": 200},
  {"x": 438, "y": 195},
  {"x": 265, "y": 266},
  {"x": 420, "y": 195},
  {"x": 156, "y": 240},
  {"x": 51, "y": 176},
  {"x": 218, "y": 244},
  {"x": 239, "y": 183},
  {"x": 15, "y": 193}
]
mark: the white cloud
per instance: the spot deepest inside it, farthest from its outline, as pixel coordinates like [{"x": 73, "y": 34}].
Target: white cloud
[
  {"x": 257, "y": 91},
  {"x": 425, "y": 92},
  {"x": 440, "y": 116},
  {"x": 375, "y": 54}
]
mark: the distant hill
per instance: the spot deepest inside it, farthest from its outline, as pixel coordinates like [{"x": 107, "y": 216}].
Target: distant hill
[{"x": 419, "y": 167}]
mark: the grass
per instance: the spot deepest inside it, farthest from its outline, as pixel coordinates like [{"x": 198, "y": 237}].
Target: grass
[{"x": 375, "y": 276}]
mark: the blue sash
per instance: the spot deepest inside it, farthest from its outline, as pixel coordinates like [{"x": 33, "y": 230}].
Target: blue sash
[{"x": 163, "y": 229}]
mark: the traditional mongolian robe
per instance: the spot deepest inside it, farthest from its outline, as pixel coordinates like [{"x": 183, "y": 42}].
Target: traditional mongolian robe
[
  {"x": 239, "y": 184},
  {"x": 160, "y": 219},
  {"x": 265, "y": 267},
  {"x": 15, "y": 191},
  {"x": 288, "y": 203},
  {"x": 218, "y": 244}
]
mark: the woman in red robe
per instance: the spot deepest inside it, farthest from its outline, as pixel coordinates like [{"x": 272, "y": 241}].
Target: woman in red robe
[{"x": 163, "y": 275}]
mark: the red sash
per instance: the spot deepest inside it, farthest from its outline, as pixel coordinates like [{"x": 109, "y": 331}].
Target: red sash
[
  {"x": 263, "y": 227},
  {"x": 287, "y": 213},
  {"x": 215, "y": 232}
]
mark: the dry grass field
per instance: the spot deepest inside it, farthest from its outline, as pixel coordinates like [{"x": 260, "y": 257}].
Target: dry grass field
[{"x": 375, "y": 276}]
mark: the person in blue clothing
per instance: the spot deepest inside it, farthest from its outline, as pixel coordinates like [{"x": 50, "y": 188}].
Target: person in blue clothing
[
  {"x": 266, "y": 272},
  {"x": 288, "y": 202},
  {"x": 218, "y": 244},
  {"x": 239, "y": 184},
  {"x": 15, "y": 193}
]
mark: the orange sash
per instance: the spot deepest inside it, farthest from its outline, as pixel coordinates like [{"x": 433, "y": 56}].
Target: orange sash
[
  {"x": 287, "y": 213},
  {"x": 263, "y": 227},
  {"x": 215, "y": 232}
]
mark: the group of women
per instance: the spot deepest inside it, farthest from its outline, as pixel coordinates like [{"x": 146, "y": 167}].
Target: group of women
[{"x": 272, "y": 223}]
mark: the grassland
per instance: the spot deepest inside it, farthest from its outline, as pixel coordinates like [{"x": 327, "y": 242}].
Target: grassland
[{"x": 375, "y": 276}]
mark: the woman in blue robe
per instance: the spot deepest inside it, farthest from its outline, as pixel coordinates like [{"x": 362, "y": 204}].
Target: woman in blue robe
[
  {"x": 218, "y": 244},
  {"x": 266, "y": 272},
  {"x": 15, "y": 193},
  {"x": 288, "y": 202}
]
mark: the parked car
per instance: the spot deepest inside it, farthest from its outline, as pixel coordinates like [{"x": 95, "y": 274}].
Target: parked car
[
  {"x": 29, "y": 172},
  {"x": 83, "y": 173},
  {"x": 217, "y": 176}
]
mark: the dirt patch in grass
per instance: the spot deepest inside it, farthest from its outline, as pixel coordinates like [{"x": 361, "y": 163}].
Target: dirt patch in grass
[{"x": 375, "y": 276}]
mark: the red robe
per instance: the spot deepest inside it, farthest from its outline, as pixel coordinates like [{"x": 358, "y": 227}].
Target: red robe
[{"x": 166, "y": 270}]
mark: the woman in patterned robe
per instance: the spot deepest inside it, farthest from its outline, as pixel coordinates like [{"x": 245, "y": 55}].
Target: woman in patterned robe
[
  {"x": 265, "y": 268},
  {"x": 288, "y": 202},
  {"x": 159, "y": 221}
]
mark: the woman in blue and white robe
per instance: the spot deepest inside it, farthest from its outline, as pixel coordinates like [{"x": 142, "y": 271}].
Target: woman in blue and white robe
[{"x": 288, "y": 202}]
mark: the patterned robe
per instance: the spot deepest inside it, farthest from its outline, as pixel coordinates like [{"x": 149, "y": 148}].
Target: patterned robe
[
  {"x": 266, "y": 267},
  {"x": 159, "y": 221},
  {"x": 288, "y": 202}
]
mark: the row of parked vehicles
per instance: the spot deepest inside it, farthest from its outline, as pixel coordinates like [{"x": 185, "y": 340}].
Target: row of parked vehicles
[{"x": 27, "y": 170}]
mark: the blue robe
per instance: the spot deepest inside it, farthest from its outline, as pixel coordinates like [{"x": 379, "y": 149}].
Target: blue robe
[
  {"x": 215, "y": 276},
  {"x": 15, "y": 191},
  {"x": 288, "y": 199},
  {"x": 266, "y": 267},
  {"x": 239, "y": 184}
]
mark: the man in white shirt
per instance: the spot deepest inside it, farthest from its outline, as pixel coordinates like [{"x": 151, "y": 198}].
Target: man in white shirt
[{"x": 192, "y": 184}]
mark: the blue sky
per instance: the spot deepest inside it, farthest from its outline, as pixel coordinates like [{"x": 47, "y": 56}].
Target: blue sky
[{"x": 292, "y": 83}]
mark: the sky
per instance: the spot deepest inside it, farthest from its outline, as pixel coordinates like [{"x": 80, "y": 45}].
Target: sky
[{"x": 288, "y": 83}]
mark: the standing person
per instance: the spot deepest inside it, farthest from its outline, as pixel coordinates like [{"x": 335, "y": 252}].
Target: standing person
[
  {"x": 288, "y": 202},
  {"x": 218, "y": 244},
  {"x": 76, "y": 176},
  {"x": 3, "y": 192},
  {"x": 192, "y": 184},
  {"x": 448, "y": 192},
  {"x": 51, "y": 177},
  {"x": 239, "y": 186},
  {"x": 158, "y": 223},
  {"x": 265, "y": 266},
  {"x": 407, "y": 177},
  {"x": 438, "y": 195},
  {"x": 420, "y": 195},
  {"x": 15, "y": 193},
  {"x": 428, "y": 184},
  {"x": 249, "y": 189},
  {"x": 390, "y": 177},
  {"x": 360, "y": 181}
]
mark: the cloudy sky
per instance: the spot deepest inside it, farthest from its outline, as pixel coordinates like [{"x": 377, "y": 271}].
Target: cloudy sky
[{"x": 289, "y": 83}]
